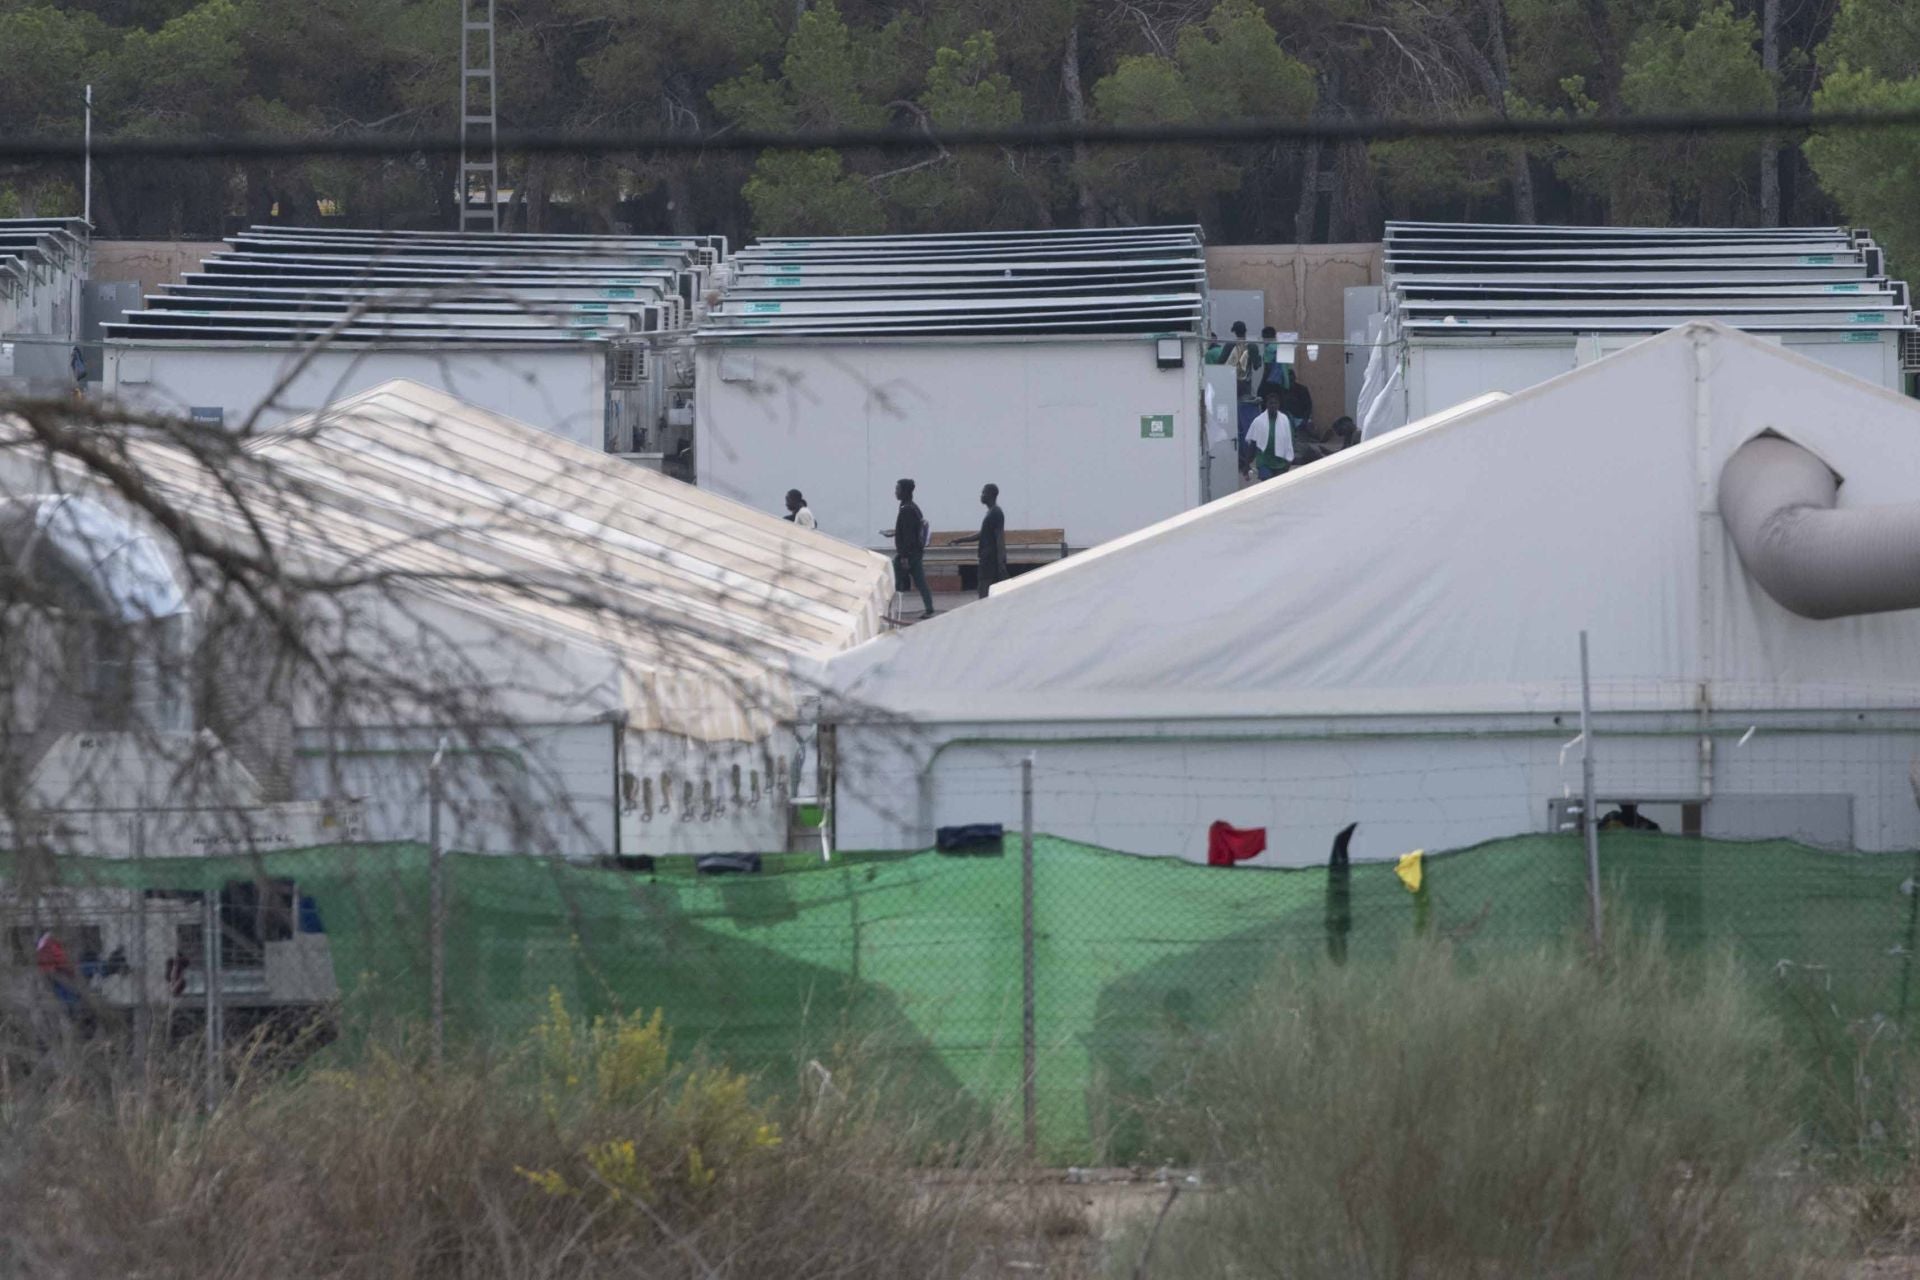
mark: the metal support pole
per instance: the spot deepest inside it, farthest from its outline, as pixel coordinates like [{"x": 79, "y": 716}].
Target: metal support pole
[
  {"x": 86, "y": 199},
  {"x": 479, "y": 119},
  {"x": 210, "y": 927},
  {"x": 437, "y": 903},
  {"x": 142, "y": 962},
  {"x": 1030, "y": 1126},
  {"x": 1912, "y": 888},
  {"x": 1589, "y": 823}
]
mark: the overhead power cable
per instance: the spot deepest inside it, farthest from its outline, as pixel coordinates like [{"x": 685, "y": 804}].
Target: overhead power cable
[{"x": 918, "y": 138}]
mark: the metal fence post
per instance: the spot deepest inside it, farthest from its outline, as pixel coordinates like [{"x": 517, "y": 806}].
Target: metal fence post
[
  {"x": 142, "y": 962},
  {"x": 210, "y": 904},
  {"x": 1029, "y": 1117},
  {"x": 1589, "y": 823},
  {"x": 437, "y": 904},
  {"x": 1912, "y": 889}
]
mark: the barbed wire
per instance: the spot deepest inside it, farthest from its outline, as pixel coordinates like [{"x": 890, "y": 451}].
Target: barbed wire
[{"x": 917, "y": 138}]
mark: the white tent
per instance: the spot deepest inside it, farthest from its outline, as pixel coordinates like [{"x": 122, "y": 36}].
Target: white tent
[
  {"x": 633, "y": 637},
  {"x": 1391, "y": 637}
]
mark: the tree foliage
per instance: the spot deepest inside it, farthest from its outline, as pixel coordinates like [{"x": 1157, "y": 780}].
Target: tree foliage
[
  {"x": 1875, "y": 176},
  {"x": 203, "y": 67}
]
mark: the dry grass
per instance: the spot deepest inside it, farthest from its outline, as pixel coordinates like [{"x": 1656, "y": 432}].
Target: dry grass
[
  {"x": 1530, "y": 1116},
  {"x": 1425, "y": 1118},
  {"x": 586, "y": 1156}
]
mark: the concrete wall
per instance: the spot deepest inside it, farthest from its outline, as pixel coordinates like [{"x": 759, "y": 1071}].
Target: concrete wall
[
  {"x": 151, "y": 263},
  {"x": 558, "y": 388},
  {"x": 1057, "y": 425},
  {"x": 1305, "y": 287},
  {"x": 1406, "y": 792}
]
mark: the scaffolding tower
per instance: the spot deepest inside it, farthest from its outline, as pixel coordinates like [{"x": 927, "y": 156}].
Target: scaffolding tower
[{"x": 479, "y": 120}]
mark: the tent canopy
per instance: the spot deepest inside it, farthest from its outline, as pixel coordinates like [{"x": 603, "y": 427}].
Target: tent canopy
[
  {"x": 1449, "y": 567},
  {"x": 596, "y": 584}
]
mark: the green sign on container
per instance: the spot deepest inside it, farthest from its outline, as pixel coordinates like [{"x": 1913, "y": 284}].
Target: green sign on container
[
  {"x": 1157, "y": 426},
  {"x": 763, "y": 306},
  {"x": 1817, "y": 260},
  {"x": 786, "y": 282}
]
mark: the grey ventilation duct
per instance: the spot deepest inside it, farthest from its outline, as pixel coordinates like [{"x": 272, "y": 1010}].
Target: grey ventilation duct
[
  {"x": 1779, "y": 504},
  {"x": 126, "y": 617}
]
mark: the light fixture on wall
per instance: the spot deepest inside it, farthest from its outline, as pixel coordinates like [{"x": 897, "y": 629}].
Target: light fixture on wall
[{"x": 1169, "y": 353}]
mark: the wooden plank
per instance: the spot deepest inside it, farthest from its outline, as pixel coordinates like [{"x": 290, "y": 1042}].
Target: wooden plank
[{"x": 1035, "y": 538}]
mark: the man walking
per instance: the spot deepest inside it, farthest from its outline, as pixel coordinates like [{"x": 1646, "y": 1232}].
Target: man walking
[
  {"x": 909, "y": 534},
  {"x": 1270, "y": 437},
  {"x": 992, "y": 539}
]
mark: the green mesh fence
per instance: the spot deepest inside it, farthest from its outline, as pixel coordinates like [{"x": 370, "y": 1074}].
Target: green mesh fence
[{"x": 916, "y": 960}]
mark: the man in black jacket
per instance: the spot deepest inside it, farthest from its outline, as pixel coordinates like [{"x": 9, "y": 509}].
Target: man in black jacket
[
  {"x": 992, "y": 539},
  {"x": 909, "y": 534}
]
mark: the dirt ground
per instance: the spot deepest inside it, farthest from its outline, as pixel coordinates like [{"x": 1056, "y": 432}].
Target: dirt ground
[{"x": 1092, "y": 1213}]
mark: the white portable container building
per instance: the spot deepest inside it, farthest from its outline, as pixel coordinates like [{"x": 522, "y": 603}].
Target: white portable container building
[
  {"x": 1063, "y": 366},
  {"x": 1391, "y": 636},
  {"x": 1469, "y": 309},
  {"x": 566, "y": 332},
  {"x": 43, "y": 267}
]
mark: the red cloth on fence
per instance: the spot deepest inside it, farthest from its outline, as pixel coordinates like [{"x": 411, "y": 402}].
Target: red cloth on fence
[
  {"x": 51, "y": 957},
  {"x": 1227, "y": 845}
]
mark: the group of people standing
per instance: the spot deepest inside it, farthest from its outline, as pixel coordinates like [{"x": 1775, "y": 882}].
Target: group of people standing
[
  {"x": 1276, "y": 428},
  {"x": 911, "y": 535}
]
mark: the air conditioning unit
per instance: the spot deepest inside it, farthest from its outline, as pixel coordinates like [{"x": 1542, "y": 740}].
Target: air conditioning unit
[{"x": 630, "y": 367}]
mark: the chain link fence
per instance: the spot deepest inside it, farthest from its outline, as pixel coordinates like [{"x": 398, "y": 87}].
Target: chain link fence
[{"x": 910, "y": 966}]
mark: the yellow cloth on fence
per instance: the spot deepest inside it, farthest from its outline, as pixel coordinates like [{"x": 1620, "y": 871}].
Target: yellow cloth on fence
[{"x": 1408, "y": 869}]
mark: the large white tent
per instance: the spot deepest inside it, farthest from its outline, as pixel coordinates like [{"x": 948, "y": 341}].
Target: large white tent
[
  {"x": 614, "y": 648},
  {"x": 1391, "y": 637}
]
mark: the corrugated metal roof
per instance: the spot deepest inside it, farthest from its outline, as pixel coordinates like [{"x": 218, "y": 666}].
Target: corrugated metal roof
[
  {"x": 40, "y": 250},
  {"x": 523, "y": 239},
  {"x": 1095, "y": 282},
  {"x": 1449, "y": 280},
  {"x": 275, "y": 285}
]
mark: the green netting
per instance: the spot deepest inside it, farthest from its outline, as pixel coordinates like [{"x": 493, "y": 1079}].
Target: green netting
[{"x": 917, "y": 958}]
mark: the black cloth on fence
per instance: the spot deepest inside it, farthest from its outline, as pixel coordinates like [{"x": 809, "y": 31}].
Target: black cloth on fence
[
  {"x": 978, "y": 835},
  {"x": 728, "y": 864},
  {"x": 1339, "y": 896}
]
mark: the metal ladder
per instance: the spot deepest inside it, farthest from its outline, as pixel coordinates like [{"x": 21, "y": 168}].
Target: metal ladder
[{"x": 479, "y": 120}]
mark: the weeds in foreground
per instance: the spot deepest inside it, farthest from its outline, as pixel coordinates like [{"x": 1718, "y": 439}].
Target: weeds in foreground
[
  {"x": 589, "y": 1154},
  {"x": 1529, "y": 1115}
]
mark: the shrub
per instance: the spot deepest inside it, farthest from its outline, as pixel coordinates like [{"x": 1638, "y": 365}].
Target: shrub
[
  {"x": 589, "y": 1154},
  {"x": 1534, "y": 1115}
]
